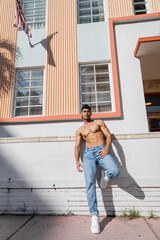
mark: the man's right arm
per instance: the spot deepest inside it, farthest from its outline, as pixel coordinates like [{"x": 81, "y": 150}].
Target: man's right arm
[{"x": 77, "y": 150}]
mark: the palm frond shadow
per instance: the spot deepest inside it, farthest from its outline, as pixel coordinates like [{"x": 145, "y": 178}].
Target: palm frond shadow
[{"x": 8, "y": 53}]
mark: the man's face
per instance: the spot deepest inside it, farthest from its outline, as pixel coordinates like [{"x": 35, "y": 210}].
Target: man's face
[{"x": 86, "y": 114}]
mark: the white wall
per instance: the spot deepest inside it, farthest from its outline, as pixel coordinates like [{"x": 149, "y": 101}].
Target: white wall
[
  {"x": 40, "y": 176},
  {"x": 44, "y": 162},
  {"x": 130, "y": 78},
  {"x": 93, "y": 42},
  {"x": 31, "y": 57}
]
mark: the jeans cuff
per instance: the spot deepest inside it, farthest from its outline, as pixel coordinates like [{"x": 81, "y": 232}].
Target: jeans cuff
[{"x": 94, "y": 214}]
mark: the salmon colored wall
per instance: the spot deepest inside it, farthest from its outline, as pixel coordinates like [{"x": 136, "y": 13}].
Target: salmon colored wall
[
  {"x": 62, "y": 87},
  {"x": 119, "y": 8},
  {"x": 154, "y": 6},
  {"x": 122, "y": 8},
  {"x": 8, "y": 38}
]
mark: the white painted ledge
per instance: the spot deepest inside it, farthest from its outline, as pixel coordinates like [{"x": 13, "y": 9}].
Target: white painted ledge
[
  {"x": 121, "y": 182},
  {"x": 72, "y": 138}
]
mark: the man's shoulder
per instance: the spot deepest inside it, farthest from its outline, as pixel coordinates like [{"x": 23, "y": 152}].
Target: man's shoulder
[
  {"x": 99, "y": 121},
  {"x": 79, "y": 130}
]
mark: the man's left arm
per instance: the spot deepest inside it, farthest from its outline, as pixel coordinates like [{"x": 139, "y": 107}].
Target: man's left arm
[{"x": 107, "y": 134}]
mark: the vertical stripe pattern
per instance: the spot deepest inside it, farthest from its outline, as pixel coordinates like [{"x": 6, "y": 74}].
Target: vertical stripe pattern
[
  {"x": 62, "y": 87},
  {"x": 119, "y": 8},
  {"x": 8, "y": 36},
  {"x": 154, "y": 6}
]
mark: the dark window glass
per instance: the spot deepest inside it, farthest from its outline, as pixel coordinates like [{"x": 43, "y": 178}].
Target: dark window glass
[
  {"x": 154, "y": 124},
  {"x": 152, "y": 103},
  {"x": 21, "y": 112}
]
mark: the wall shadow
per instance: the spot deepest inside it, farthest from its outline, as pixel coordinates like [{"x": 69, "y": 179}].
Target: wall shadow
[
  {"x": 46, "y": 43},
  {"x": 8, "y": 52},
  {"x": 9, "y": 190},
  {"x": 18, "y": 196}
]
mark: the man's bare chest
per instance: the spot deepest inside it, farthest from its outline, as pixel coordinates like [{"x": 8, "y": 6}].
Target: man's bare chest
[{"x": 90, "y": 129}]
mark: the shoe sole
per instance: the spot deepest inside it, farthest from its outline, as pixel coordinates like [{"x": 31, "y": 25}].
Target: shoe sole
[{"x": 96, "y": 232}]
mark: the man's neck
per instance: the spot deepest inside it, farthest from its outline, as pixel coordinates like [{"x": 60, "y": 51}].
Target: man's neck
[{"x": 87, "y": 121}]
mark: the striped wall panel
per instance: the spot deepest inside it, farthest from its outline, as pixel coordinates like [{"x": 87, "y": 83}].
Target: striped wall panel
[
  {"x": 111, "y": 201},
  {"x": 8, "y": 36},
  {"x": 62, "y": 87},
  {"x": 154, "y": 6},
  {"x": 119, "y": 8}
]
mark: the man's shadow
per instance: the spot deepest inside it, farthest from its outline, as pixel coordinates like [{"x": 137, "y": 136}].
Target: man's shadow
[{"x": 128, "y": 184}]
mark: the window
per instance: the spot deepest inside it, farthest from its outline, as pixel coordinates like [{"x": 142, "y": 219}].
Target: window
[
  {"x": 90, "y": 11},
  {"x": 96, "y": 87},
  {"x": 29, "y": 92},
  {"x": 153, "y": 111},
  {"x": 35, "y": 13},
  {"x": 140, "y": 6}
]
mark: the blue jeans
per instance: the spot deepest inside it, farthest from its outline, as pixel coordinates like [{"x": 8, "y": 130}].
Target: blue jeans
[{"x": 90, "y": 160}]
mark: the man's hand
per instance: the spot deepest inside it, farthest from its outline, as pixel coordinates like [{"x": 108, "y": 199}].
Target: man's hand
[
  {"x": 79, "y": 165},
  {"x": 103, "y": 152}
]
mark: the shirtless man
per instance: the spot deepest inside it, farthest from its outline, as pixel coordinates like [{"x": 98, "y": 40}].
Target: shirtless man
[{"x": 94, "y": 133}]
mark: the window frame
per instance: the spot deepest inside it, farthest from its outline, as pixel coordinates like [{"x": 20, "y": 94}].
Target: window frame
[
  {"x": 138, "y": 12},
  {"x": 112, "y": 101},
  {"x": 35, "y": 22},
  {"x": 152, "y": 115},
  {"x": 28, "y": 106},
  {"x": 91, "y": 11}
]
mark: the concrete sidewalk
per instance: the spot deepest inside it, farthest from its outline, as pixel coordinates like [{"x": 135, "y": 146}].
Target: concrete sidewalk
[{"x": 77, "y": 228}]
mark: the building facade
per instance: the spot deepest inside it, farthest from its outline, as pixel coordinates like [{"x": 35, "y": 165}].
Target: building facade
[{"x": 101, "y": 52}]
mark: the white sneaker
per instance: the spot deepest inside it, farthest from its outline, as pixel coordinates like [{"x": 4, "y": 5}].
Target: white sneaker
[
  {"x": 95, "y": 224},
  {"x": 104, "y": 179}
]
